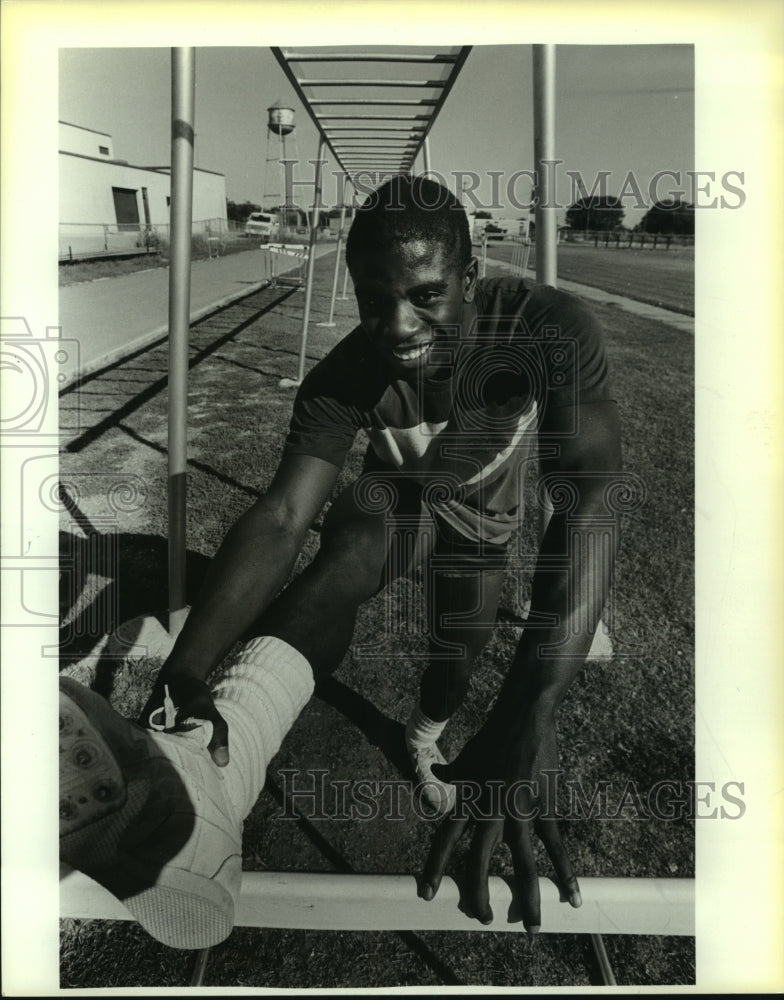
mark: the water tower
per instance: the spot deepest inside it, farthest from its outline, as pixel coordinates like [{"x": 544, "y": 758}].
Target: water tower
[{"x": 280, "y": 123}]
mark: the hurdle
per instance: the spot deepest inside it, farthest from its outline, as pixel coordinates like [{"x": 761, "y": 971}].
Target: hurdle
[
  {"x": 291, "y": 279},
  {"x": 358, "y": 902}
]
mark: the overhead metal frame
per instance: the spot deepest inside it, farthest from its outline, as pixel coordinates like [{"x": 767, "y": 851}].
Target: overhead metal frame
[{"x": 362, "y": 146}]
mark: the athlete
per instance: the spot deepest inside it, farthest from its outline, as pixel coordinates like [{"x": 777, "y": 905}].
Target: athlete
[{"x": 459, "y": 384}]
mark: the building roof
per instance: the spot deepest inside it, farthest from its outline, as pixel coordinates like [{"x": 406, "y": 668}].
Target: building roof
[
  {"x": 85, "y": 129},
  {"x": 132, "y": 166}
]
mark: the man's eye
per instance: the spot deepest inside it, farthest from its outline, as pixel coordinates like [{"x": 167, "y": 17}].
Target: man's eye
[{"x": 425, "y": 298}]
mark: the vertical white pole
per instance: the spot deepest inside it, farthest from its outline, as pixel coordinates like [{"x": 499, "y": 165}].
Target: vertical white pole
[
  {"x": 314, "y": 221},
  {"x": 344, "y": 296},
  {"x": 426, "y": 154},
  {"x": 544, "y": 165},
  {"x": 182, "y": 135},
  {"x": 284, "y": 189},
  {"x": 338, "y": 249},
  {"x": 544, "y": 156}
]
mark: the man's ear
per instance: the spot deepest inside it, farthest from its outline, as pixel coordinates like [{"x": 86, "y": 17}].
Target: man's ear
[{"x": 470, "y": 278}]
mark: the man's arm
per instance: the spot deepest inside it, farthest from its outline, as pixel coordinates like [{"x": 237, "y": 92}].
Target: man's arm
[
  {"x": 251, "y": 565},
  {"x": 573, "y": 574},
  {"x": 518, "y": 741}
]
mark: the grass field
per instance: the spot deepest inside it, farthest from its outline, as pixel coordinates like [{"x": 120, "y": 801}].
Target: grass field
[
  {"x": 660, "y": 277},
  {"x": 628, "y": 720}
]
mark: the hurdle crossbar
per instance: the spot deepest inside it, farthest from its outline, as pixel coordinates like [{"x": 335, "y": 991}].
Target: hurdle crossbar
[{"x": 328, "y": 901}]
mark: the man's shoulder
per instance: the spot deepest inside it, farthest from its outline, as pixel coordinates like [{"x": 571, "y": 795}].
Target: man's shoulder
[
  {"x": 511, "y": 306},
  {"x": 349, "y": 353},
  {"x": 509, "y": 291},
  {"x": 347, "y": 371},
  {"x": 514, "y": 294}
]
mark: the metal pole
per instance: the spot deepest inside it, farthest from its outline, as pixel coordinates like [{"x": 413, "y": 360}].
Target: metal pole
[
  {"x": 426, "y": 154},
  {"x": 199, "y": 967},
  {"x": 544, "y": 155},
  {"x": 344, "y": 296},
  {"x": 284, "y": 190},
  {"x": 603, "y": 960},
  {"x": 182, "y": 133},
  {"x": 314, "y": 220},
  {"x": 330, "y": 321}
]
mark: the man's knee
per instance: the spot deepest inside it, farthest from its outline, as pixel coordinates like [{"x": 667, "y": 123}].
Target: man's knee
[
  {"x": 353, "y": 555},
  {"x": 463, "y": 615}
]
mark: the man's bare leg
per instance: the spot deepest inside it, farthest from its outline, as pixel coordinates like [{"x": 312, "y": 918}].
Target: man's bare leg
[{"x": 462, "y": 610}]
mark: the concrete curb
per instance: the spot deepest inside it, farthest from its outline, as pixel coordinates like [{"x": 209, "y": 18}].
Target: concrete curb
[
  {"x": 681, "y": 321},
  {"x": 159, "y": 334}
]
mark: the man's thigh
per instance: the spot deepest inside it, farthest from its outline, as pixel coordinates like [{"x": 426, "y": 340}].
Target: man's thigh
[{"x": 463, "y": 583}]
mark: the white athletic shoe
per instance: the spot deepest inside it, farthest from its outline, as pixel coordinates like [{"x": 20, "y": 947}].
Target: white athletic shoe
[
  {"x": 437, "y": 796},
  {"x": 147, "y": 814}
]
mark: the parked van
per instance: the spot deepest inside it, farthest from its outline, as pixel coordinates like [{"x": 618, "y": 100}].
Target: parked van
[{"x": 264, "y": 225}]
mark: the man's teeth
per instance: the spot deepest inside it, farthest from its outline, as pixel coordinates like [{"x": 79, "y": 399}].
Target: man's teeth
[{"x": 412, "y": 353}]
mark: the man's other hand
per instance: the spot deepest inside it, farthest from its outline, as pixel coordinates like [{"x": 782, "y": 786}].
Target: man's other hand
[{"x": 506, "y": 790}]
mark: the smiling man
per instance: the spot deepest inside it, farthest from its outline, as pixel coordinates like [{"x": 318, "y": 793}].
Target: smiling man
[{"x": 459, "y": 384}]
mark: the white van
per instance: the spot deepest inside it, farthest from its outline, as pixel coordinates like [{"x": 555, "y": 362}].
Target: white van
[{"x": 265, "y": 225}]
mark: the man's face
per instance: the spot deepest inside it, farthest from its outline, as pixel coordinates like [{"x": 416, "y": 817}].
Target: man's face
[{"x": 411, "y": 301}]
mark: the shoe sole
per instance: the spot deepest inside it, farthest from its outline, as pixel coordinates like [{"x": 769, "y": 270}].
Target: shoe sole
[{"x": 99, "y": 752}]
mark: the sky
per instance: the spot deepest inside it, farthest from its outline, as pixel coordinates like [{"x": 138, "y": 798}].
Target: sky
[{"x": 619, "y": 108}]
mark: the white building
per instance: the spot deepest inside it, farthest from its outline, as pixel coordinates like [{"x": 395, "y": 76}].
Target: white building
[{"x": 111, "y": 205}]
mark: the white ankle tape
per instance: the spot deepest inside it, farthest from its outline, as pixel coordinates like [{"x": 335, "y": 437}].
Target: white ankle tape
[{"x": 260, "y": 696}]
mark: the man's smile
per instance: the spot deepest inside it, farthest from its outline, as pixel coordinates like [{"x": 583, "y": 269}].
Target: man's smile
[{"x": 411, "y": 353}]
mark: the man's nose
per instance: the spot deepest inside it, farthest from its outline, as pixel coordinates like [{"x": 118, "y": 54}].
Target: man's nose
[{"x": 401, "y": 322}]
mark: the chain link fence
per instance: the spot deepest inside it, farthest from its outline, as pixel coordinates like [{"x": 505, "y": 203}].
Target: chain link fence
[
  {"x": 81, "y": 241},
  {"x": 622, "y": 239}
]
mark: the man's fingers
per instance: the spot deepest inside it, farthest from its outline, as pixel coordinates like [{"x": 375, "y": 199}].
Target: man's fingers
[
  {"x": 485, "y": 840},
  {"x": 219, "y": 744},
  {"x": 518, "y": 837},
  {"x": 191, "y": 700},
  {"x": 550, "y": 835},
  {"x": 441, "y": 847}
]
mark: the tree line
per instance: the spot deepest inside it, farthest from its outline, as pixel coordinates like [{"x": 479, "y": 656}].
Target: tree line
[
  {"x": 595, "y": 213},
  {"x": 604, "y": 213}
]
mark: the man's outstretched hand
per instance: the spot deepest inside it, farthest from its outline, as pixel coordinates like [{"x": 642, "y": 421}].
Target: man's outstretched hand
[
  {"x": 192, "y": 699},
  {"x": 506, "y": 790}
]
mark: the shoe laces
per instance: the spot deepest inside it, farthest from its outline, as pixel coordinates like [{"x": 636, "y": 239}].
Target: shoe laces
[
  {"x": 427, "y": 755},
  {"x": 169, "y": 710}
]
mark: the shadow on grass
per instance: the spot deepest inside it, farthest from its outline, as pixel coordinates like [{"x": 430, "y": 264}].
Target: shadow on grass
[
  {"x": 107, "y": 579},
  {"x": 340, "y": 864},
  {"x": 379, "y": 729}
]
